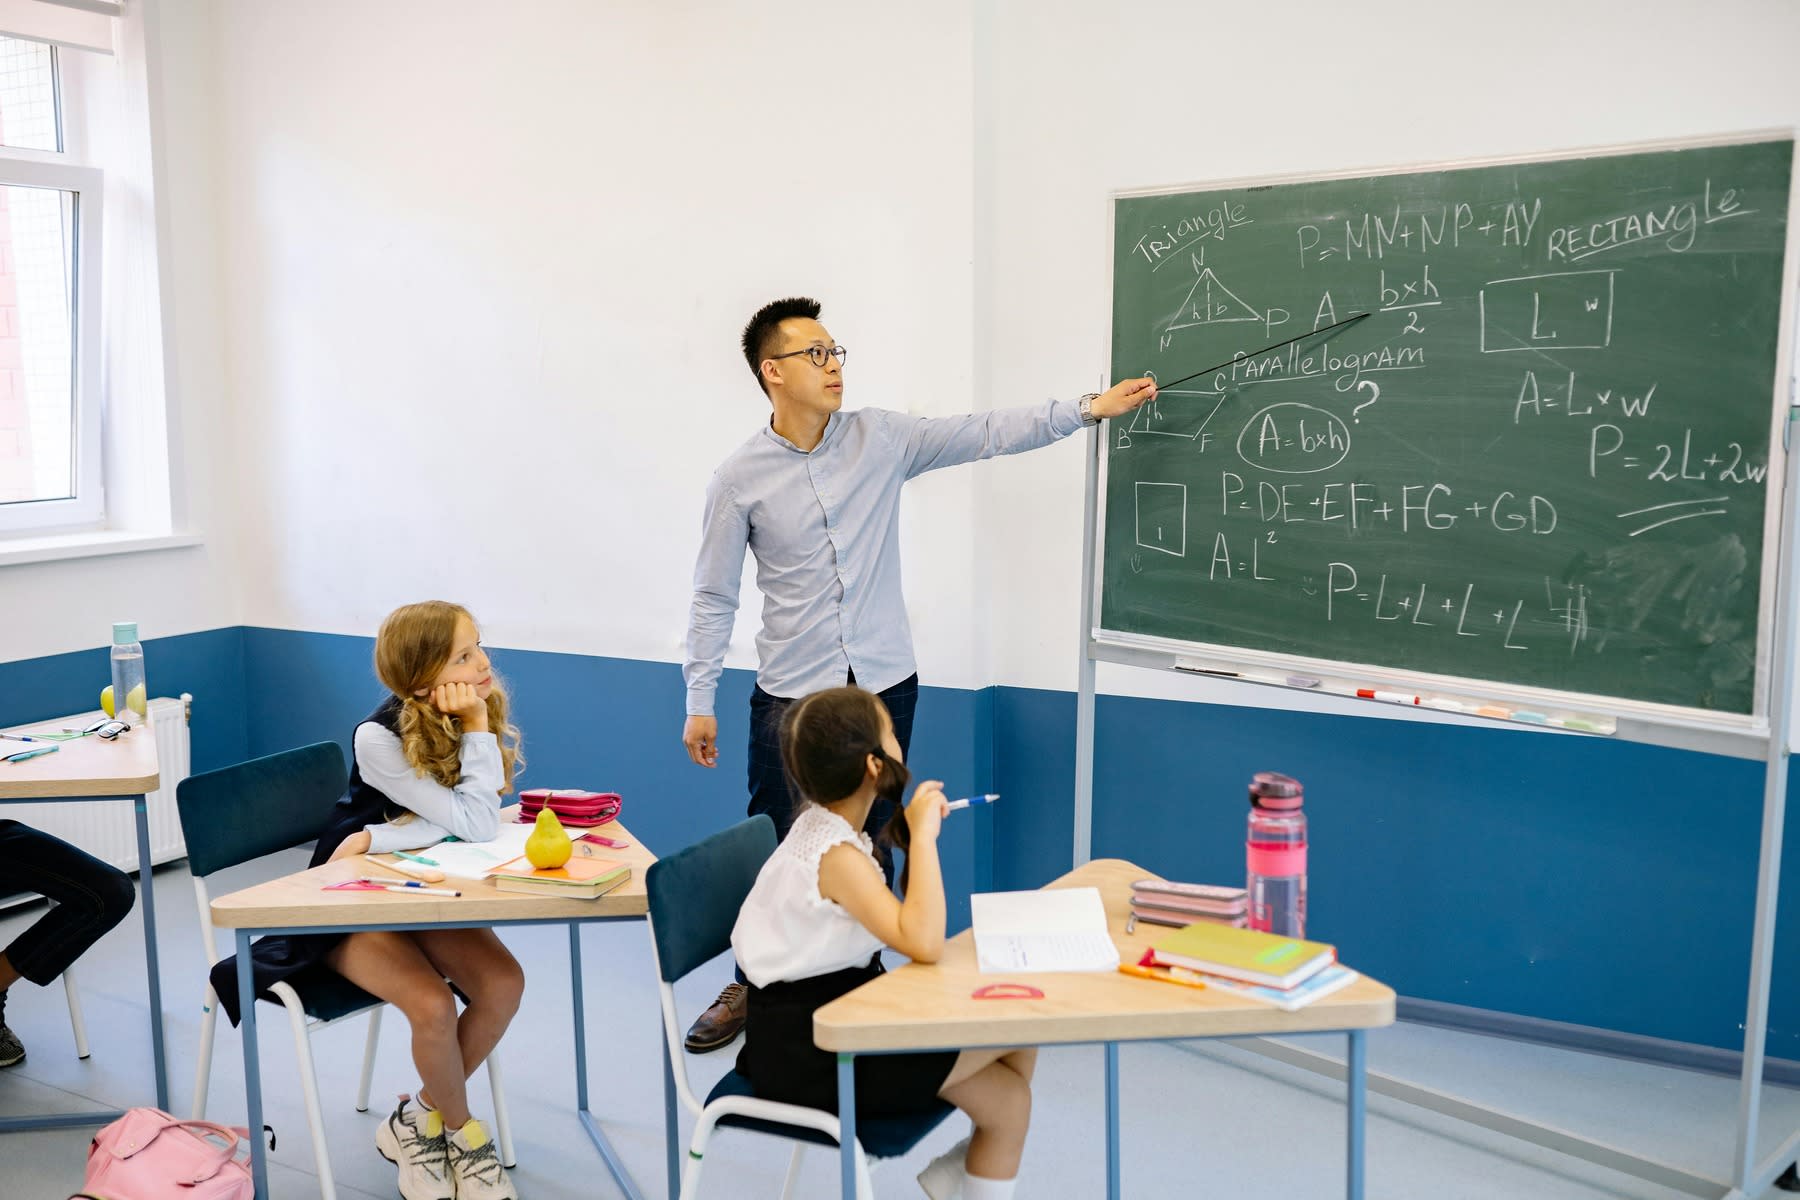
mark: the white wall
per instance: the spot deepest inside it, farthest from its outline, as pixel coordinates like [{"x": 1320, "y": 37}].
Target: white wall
[
  {"x": 486, "y": 268},
  {"x": 1087, "y": 99},
  {"x": 54, "y": 607}
]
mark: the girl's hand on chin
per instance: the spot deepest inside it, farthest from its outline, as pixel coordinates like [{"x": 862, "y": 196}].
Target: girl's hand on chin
[{"x": 461, "y": 701}]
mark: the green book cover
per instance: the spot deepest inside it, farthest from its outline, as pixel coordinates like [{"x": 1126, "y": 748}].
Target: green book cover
[{"x": 1243, "y": 953}]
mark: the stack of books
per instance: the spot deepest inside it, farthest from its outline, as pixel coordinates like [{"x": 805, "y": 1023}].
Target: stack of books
[
  {"x": 1286, "y": 972},
  {"x": 1163, "y": 903},
  {"x": 581, "y": 878}
]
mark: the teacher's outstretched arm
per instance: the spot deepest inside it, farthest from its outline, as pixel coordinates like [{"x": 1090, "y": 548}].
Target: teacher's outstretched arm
[{"x": 724, "y": 536}]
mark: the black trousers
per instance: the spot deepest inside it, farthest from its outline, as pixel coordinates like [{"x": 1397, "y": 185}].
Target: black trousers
[
  {"x": 91, "y": 897},
  {"x": 768, "y": 778}
]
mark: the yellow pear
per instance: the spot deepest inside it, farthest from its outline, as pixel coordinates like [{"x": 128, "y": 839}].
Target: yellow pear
[{"x": 549, "y": 845}]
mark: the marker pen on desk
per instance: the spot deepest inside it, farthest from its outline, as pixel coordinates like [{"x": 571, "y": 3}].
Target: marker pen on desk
[
  {"x": 19, "y": 737},
  {"x": 406, "y": 885},
  {"x": 414, "y": 889},
  {"x": 429, "y": 862},
  {"x": 967, "y": 801}
]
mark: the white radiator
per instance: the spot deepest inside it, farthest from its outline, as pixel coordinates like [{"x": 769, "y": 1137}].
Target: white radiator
[{"x": 108, "y": 830}]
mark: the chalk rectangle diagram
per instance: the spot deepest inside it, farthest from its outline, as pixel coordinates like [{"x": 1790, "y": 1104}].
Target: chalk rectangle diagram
[
  {"x": 1162, "y": 517},
  {"x": 1564, "y": 310}
]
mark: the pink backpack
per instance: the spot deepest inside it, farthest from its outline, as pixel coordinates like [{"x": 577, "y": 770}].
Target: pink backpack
[{"x": 149, "y": 1155}]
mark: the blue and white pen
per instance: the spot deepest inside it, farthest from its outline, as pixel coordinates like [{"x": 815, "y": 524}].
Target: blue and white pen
[{"x": 967, "y": 801}]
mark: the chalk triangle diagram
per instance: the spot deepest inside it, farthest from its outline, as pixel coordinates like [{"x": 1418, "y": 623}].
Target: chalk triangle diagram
[{"x": 1210, "y": 302}]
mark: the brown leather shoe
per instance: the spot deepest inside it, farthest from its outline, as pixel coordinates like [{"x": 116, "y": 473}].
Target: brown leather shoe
[{"x": 720, "y": 1023}]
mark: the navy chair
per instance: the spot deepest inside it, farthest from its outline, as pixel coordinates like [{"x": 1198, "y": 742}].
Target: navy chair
[
  {"x": 694, "y": 900},
  {"x": 243, "y": 812}
]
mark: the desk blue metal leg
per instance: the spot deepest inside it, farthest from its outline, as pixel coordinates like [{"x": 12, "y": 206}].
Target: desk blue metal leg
[
  {"x": 1112, "y": 1121},
  {"x": 147, "y": 893},
  {"x": 1354, "y": 1074},
  {"x": 259, "y": 1156},
  {"x": 595, "y": 1135},
  {"x": 581, "y": 1075},
  {"x": 847, "y": 1123}
]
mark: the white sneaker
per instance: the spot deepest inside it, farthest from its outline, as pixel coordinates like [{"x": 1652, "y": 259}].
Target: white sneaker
[
  {"x": 943, "y": 1176},
  {"x": 413, "y": 1140},
  {"x": 475, "y": 1165}
]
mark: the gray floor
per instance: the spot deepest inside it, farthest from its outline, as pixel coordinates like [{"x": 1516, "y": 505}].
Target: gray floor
[{"x": 1200, "y": 1118}]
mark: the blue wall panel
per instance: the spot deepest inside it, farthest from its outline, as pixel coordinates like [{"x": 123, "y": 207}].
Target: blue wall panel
[{"x": 1572, "y": 879}]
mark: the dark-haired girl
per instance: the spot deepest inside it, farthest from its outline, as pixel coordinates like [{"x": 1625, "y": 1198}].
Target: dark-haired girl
[{"x": 813, "y": 927}]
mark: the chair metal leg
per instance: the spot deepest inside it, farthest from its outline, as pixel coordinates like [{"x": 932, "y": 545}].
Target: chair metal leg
[
  {"x": 502, "y": 1122},
  {"x": 368, "y": 1066},
  {"x": 203, "y": 1069},
  {"x": 793, "y": 1172},
  {"x": 76, "y": 1023},
  {"x": 690, "y": 1178},
  {"x": 864, "y": 1189},
  {"x": 309, "y": 1091}
]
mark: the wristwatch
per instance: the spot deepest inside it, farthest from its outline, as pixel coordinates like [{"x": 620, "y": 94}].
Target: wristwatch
[{"x": 1086, "y": 407}]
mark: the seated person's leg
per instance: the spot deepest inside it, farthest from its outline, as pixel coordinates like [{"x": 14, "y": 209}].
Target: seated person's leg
[{"x": 90, "y": 898}]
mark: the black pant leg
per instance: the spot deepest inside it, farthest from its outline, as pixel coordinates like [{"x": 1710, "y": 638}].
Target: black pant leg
[{"x": 91, "y": 897}]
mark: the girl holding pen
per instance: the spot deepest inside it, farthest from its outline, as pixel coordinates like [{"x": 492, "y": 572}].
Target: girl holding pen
[{"x": 814, "y": 924}]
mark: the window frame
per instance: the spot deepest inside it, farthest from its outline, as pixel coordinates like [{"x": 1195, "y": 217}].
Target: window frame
[{"x": 87, "y": 508}]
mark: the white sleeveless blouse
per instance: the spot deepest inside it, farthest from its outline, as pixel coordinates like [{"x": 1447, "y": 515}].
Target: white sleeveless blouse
[{"x": 786, "y": 930}]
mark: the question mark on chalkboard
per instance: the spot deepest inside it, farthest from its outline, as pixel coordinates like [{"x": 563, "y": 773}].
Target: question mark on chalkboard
[{"x": 1374, "y": 395}]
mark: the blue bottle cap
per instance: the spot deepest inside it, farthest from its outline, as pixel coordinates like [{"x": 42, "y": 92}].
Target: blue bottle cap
[{"x": 124, "y": 632}]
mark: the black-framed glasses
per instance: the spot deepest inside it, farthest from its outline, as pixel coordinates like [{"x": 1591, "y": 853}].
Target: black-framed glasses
[{"x": 816, "y": 354}]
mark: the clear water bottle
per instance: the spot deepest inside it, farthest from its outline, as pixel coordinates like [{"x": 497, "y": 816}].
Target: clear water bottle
[
  {"x": 1275, "y": 855},
  {"x": 131, "y": 702}
]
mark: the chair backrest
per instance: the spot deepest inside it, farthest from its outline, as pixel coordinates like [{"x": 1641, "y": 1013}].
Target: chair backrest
[
  {"x": 242, "y": 812},
  {"x": 695, "y": 894}
]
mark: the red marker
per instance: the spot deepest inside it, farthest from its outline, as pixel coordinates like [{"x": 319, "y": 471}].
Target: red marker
[{"x": 1390, "y": 697}]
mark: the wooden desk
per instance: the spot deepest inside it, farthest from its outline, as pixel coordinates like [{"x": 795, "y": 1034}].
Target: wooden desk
[
  {"x": 94, "y": 770},
  {"x": 920, "y": 1007},
  {"x": 295, "y": 904}
]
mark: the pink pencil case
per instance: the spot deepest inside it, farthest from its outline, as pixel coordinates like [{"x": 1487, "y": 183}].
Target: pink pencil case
[{"x": 572, "y": 806}]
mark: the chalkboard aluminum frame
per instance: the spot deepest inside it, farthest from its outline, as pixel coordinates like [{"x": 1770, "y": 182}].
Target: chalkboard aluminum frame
[
  {"x": 1737, "y": 735},
  {"x": 1764, "y": 735}
]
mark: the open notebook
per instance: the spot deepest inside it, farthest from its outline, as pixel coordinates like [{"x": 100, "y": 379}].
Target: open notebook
[{"x": 1056, "y": 929}]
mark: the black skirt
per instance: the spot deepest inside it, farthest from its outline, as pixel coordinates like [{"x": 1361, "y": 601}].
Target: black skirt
[{"x": 782, "y": 1063}]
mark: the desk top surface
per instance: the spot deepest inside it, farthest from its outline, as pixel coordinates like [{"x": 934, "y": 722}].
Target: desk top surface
[
  {"x": 919, "y": 1007},
  {"x": 88, "y": 767},
  {"x": 296, "y": 901}
]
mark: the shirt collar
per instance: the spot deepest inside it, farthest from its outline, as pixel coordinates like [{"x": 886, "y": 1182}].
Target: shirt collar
[{"x": 831, "y": 425}]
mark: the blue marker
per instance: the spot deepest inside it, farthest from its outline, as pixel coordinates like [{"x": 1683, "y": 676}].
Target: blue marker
[{"x": 966, "y": 801}]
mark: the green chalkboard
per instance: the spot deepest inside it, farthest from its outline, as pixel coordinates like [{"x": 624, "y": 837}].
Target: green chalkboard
[{"x": 1543, "y": 460}]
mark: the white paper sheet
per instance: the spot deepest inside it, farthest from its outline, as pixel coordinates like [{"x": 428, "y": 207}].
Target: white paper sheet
[
  {"x": 1056, "y": 929},
  {"x": 472, "y": 860}
]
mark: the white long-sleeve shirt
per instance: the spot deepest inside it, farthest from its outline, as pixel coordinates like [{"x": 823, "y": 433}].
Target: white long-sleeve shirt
[{"x": 469, "y": 811}]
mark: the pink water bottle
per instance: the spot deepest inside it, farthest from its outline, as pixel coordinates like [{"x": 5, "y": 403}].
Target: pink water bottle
[{"x": 1275, "y": 855}]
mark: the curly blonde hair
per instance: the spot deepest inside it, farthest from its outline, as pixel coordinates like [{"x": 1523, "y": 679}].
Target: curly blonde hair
[{"x": 414, "y": 643}]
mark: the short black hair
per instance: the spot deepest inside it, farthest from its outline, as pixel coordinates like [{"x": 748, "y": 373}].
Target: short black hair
[{"x": 760, "y": 333}]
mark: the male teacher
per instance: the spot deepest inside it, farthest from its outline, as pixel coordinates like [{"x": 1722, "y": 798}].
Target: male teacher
[{"x": 815, "y": 495}]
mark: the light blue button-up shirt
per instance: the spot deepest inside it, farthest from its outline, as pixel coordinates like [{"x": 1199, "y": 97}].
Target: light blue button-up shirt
[{"x": 825, "y": 529}]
